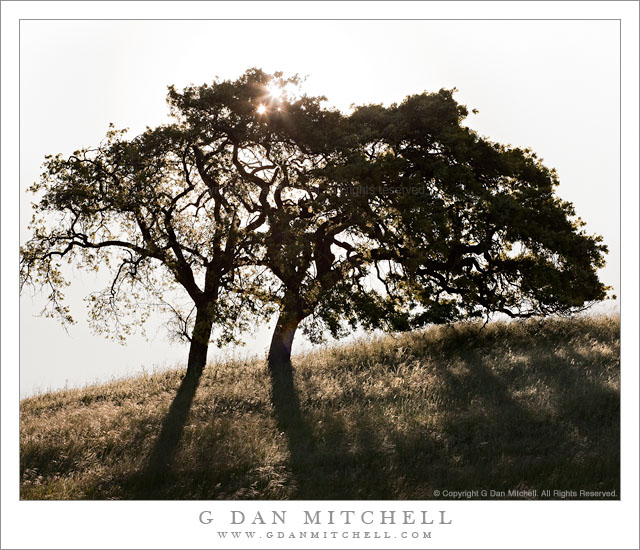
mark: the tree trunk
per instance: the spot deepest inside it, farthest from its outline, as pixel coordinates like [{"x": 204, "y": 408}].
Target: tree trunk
[
  {"x": 199, "y": 342},
  {"x": 284, "y": 397},
  {"x": 280, "y": 350},
  {"x": 283, "y": 393}
]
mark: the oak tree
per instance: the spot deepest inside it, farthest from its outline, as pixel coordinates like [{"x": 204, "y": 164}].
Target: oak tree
[
  {"x": 155, "y": 212},
  {"x": 261, "y": 198},
  {"x": 397, "y": 217}
]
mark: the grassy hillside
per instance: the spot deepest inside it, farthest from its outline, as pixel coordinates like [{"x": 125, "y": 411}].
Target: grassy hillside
[{"x": 526, "y": 405}]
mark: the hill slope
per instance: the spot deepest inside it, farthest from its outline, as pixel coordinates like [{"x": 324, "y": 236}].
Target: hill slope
[{"x": 524, "y": 405}]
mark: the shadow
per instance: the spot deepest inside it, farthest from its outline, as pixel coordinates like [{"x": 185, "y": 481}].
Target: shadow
[
  {"x": 510, "y": 410},
  {"x": 509, "y": 442},
  {"x": 351, "y": 464},
  {"x": 489, "y": 431},
  {"x": 158, "y": 472},
  {"x": 291, "y": 422}
]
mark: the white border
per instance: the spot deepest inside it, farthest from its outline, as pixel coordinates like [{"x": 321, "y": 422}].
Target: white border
[{"x": 175, "y": 524}]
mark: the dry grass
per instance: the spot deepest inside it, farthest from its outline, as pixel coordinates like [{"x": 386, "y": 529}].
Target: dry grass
[{"x": 526, "y": 405}]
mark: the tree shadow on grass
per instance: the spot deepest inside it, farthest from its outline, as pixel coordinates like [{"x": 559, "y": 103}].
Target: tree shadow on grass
[
  {"x": 154, "y": 481},
  {"x": 493, "y": 435},
  {"x": 327, "y": 460},
  {"x": 492, "y": 440},
  {"x": 538, "y": 418},
  {"x": 481, "y": 425},
  {"x": 291, "y": 422}
]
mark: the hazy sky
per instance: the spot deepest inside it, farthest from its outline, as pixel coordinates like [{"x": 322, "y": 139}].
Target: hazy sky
[{"x": 549, "y": 85}]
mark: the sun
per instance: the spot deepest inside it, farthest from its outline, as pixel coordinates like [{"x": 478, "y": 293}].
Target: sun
[
  {"x": 274, "y": 91},
  {"x": 261, "y": 109}
]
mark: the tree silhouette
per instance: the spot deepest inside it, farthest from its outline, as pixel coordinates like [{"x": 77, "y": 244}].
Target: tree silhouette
[
  {"x": 257, "y": 199},
  {"x": 452, "y": 225},
  {"x": 153, "y": 211}
]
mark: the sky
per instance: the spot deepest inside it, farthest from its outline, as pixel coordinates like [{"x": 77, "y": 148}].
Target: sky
[{"x": 552, "y": 86}]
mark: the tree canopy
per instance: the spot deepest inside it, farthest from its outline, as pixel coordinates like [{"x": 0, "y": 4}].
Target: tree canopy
[
  {"x": 260, "y": 199},
  {"x": 475, "y": 226}
]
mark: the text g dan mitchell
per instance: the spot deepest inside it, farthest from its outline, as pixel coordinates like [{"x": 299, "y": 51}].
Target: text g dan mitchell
[{"x": 331, "y": 517}]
